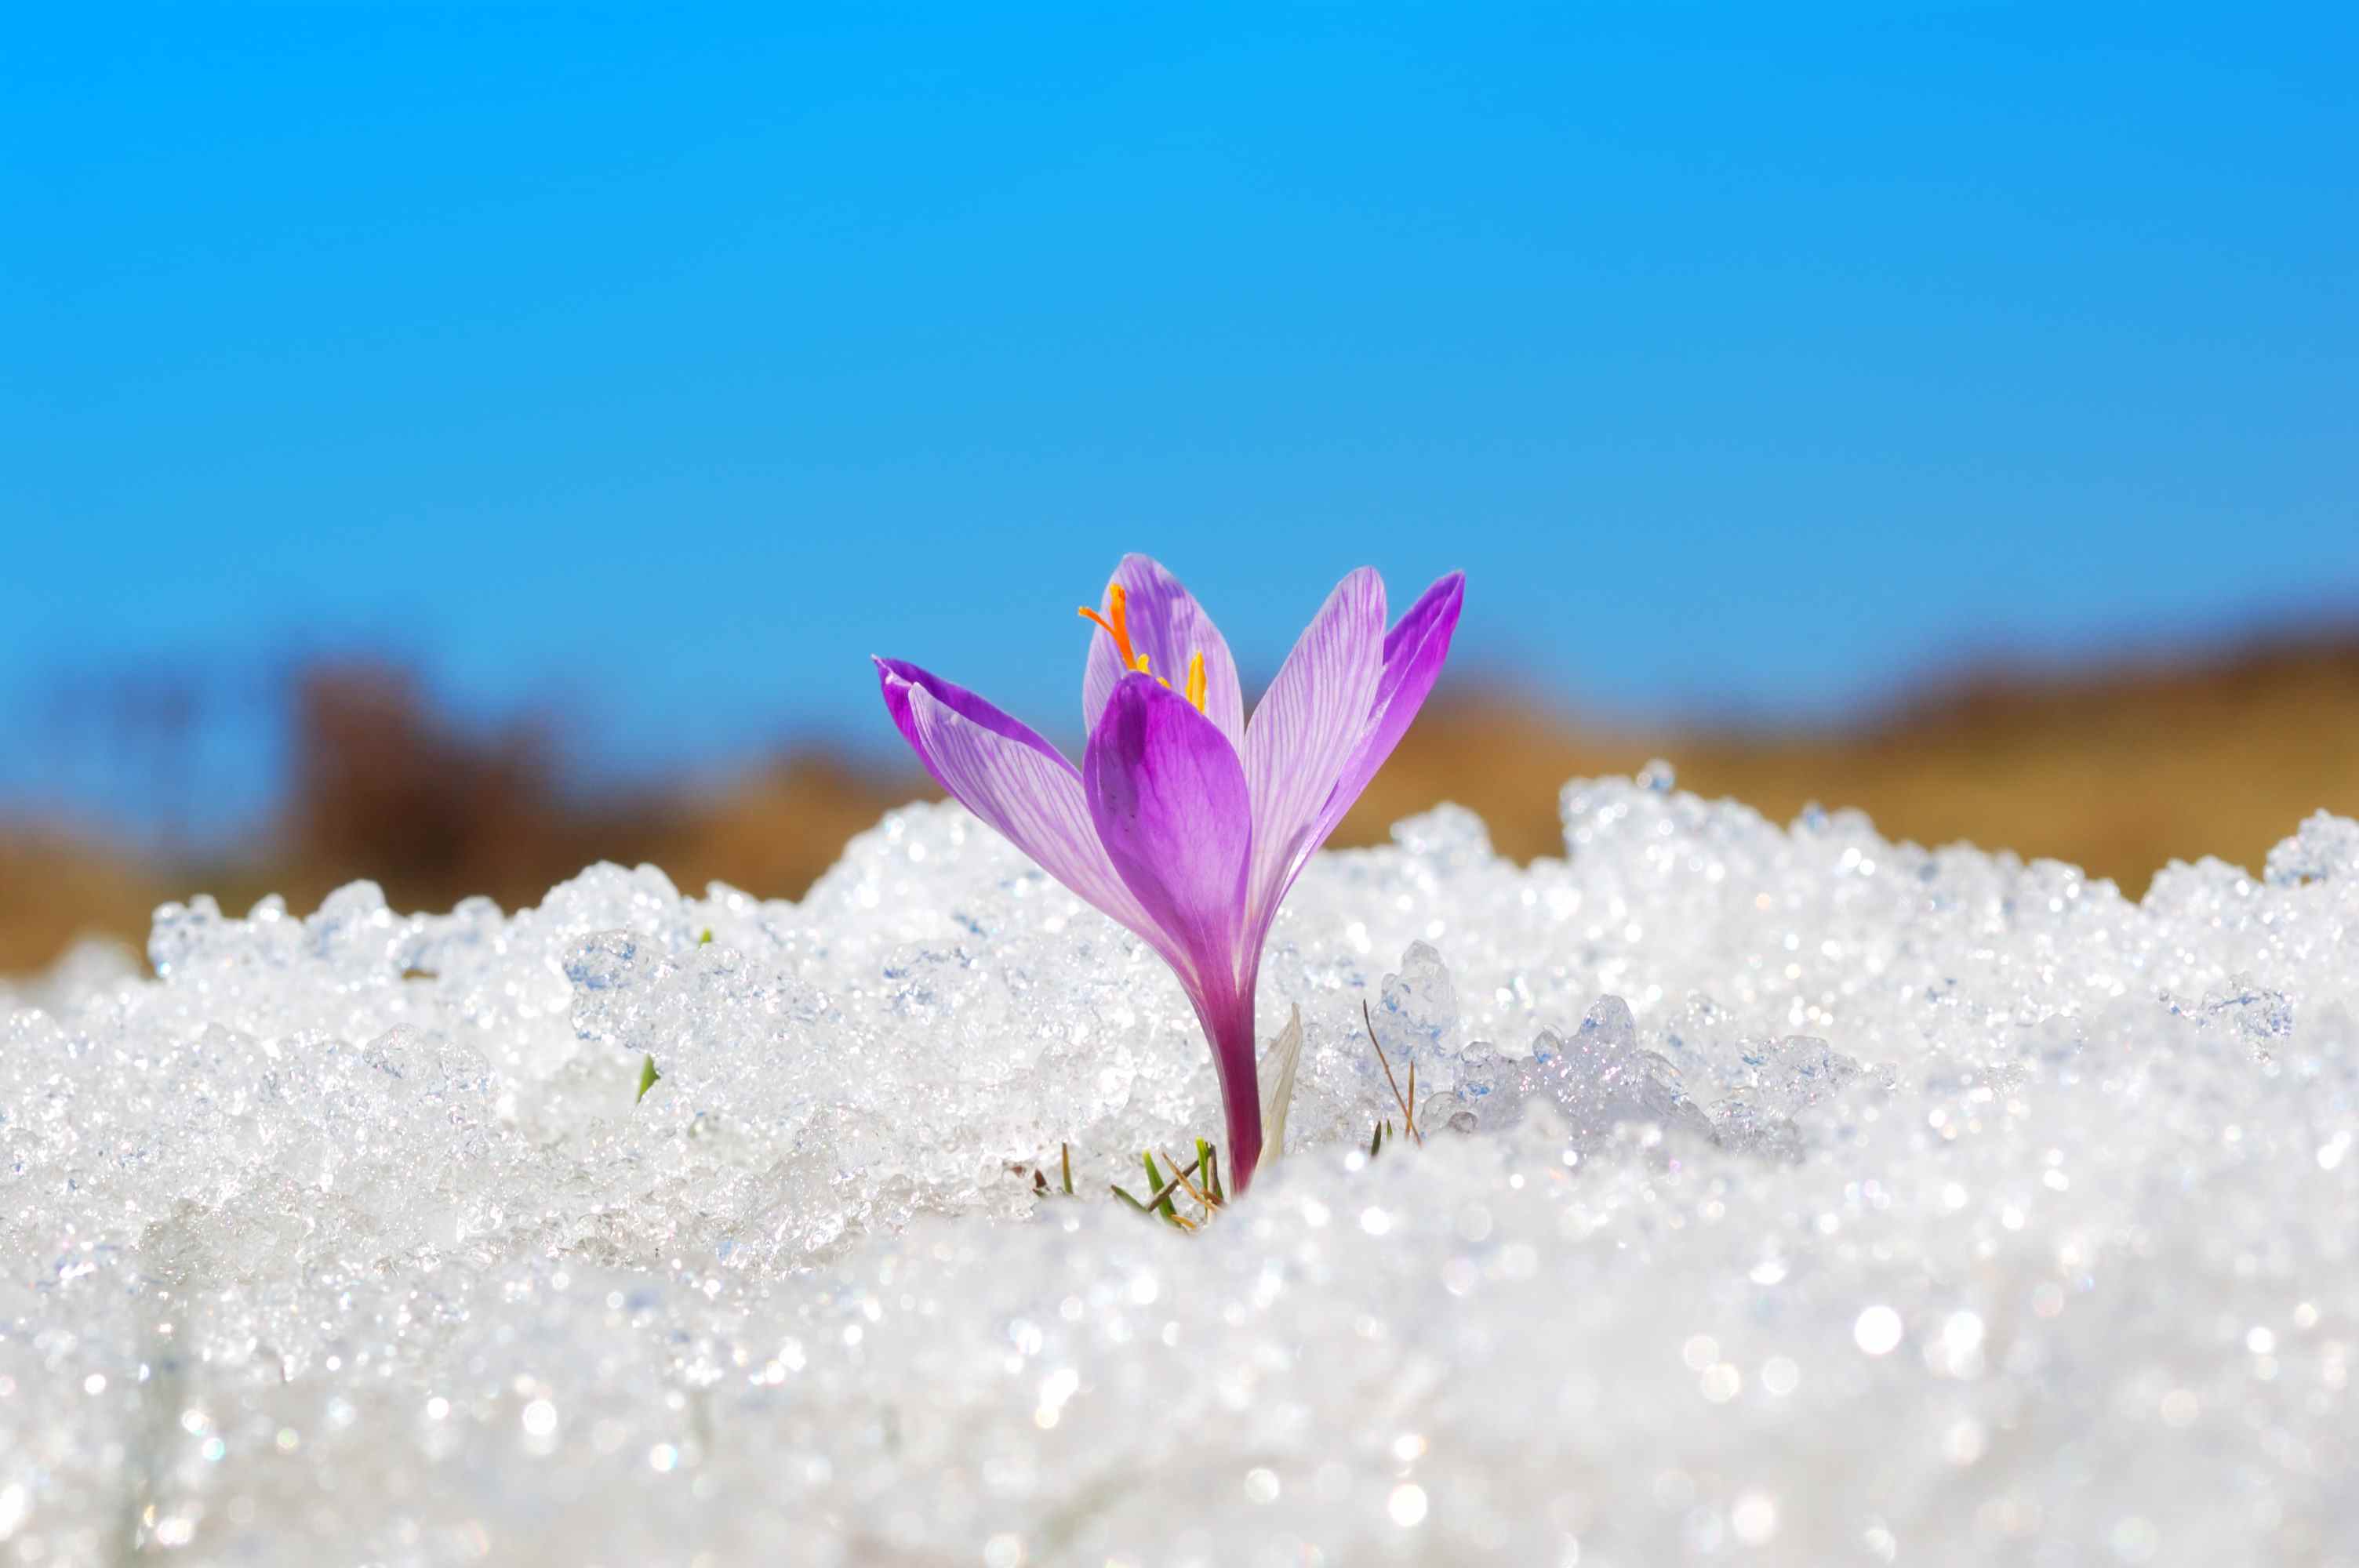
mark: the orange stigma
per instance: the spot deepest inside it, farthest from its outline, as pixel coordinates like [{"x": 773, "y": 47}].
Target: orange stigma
[
  {"x": 1118, "y": 626},
  {"x": 1115, "y": 623}
]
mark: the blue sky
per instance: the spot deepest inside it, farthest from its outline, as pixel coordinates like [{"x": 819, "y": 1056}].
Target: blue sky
[{"x": 1748, "y": 358}]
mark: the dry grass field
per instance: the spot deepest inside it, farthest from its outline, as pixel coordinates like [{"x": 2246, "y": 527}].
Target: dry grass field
[{"x": 2120, "y": 770}]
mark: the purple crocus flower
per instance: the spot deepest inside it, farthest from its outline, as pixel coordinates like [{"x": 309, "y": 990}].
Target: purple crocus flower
[{"x": 1184, "y": 822}]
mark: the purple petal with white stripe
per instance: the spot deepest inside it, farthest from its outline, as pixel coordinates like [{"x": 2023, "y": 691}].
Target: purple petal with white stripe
[
  {"x": 1305, "y": 730},
  {"x": 1006, "y": 774},
  {"x": 1414, "y": 651}
]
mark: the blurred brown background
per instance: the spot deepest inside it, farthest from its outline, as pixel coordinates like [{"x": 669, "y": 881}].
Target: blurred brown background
[{"x": 2120, "y": 768}]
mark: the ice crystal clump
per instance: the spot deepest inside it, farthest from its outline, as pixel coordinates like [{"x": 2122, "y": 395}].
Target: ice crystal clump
[
  {"x": 1415, "y": 1018},
  {"x": 1786, "y": 1193}
]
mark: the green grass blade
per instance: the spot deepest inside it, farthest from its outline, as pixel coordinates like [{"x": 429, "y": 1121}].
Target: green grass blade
[{"x": 1155, "y": 1184}]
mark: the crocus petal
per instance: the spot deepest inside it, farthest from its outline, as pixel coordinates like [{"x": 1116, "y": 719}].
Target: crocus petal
[
  {"x": 1414, "y": 650},
  {"x": 1168, "y": 626},
  {"x": 900, "y": 678},
  {"x": 1001, "y": 770},
  {"x": 1169, "y": 799},
  {"x": 1305, "y": 730}
]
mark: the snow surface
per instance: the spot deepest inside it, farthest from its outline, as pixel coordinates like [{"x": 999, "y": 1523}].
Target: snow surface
[{"x": 1790, "y": 1195}]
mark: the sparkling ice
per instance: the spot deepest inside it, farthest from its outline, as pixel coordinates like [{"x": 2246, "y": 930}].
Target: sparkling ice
[{"x": 1787, "y": 1196}]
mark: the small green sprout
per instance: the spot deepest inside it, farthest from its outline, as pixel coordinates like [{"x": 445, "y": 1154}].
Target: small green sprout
[
  {"x": 648, "y": 1079},
  {"x": 1208, "y": 1161}
]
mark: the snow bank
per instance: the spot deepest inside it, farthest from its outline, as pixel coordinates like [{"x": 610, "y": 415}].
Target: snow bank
[{"x": 1790, "y": 1196}]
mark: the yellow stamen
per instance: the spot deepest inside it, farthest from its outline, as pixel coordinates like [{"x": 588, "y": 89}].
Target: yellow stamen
[
  {"x": 1116, "y": 623},
  {"x": 1196, "y": 682}
]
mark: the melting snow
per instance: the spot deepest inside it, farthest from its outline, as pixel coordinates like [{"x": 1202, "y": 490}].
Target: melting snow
[{"x": 1788, "y": 1194}]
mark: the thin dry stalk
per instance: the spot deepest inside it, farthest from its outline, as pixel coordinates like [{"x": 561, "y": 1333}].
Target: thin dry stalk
[
  {"x": 1167, "y": 1188},
  {"x": 1193, "y": 1190},
  {"x": 1402, "y": 1099}
]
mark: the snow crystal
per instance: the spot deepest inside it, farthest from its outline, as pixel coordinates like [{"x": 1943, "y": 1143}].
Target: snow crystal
[{"x": 1784, "y": 1191}]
